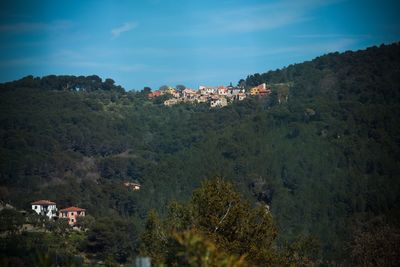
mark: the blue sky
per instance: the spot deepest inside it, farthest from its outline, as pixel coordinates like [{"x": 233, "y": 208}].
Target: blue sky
[{"x": 155, "y": 42}]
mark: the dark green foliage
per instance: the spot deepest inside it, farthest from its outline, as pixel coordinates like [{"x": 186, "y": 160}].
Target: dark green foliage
[
  {"x": 218, "y": 222},
  {"x": 38, "y": 249},
  {"x": 64, "y": 83},
  {"x": 154, "y": 239},
  {"x": 376, "y": 243},
  {"x": 322, "y": 150},
  {"x": 111, "y": 239},
  {"x": 236, "y": 227},
  {"x": 10, "y": 220}
]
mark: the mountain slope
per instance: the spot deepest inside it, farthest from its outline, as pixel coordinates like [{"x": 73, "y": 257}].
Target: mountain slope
[{"x": 324, "y": 159}]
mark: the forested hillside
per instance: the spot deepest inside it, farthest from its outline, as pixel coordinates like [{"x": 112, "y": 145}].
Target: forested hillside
[{"x": 325, "y": 159}]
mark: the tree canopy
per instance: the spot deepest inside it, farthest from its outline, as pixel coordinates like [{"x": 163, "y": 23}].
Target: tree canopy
[{"x": 321, "y": 151}]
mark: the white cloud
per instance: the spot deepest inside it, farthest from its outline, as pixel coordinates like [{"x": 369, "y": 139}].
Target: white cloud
[{"x": 127, "y": 26}]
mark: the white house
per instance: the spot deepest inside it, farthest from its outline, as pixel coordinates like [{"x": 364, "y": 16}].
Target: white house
[
  {"x": 222, "y": 90},
  {"x": 189, "y": 93},
  {"x": 234, "y": 91},
  {"x": 133, "y": 186},
  {"x": 218, "y": 102},
  {"x": 210, "y": 90},
  {"x": 45, "y": 208},
  {"x": 241, "y": 96}
]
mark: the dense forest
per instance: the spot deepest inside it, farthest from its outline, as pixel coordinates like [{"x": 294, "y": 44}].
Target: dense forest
[{"x": 324, "y": 160}]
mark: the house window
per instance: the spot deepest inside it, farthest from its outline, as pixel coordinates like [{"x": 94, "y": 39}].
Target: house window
[
  {"x": 35, "y": 207},
  {"x": 72, "y": 220}
]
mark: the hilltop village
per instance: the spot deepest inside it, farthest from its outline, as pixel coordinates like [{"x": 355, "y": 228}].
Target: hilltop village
[{"x": 216, "y": 97}]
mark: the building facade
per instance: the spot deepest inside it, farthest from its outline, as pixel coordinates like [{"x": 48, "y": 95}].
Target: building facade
[
  {"x": 72, "y": 213},
  {"x": 45, "y": 208}
]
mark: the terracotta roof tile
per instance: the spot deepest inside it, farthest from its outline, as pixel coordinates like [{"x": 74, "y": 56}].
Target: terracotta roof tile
[
  {"x": 43, "y": 202},
  {"x": 72, "y": 209}
]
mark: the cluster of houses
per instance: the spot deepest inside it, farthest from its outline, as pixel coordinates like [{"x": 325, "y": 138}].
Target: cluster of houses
[
  {"x": 49, "y": 209},
  {"x": 217, "y": 97}
]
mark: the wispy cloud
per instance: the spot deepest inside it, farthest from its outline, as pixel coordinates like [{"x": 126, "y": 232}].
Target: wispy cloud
[
  {"x": 21, "y": 27},
  {"x": 90, "y": 60},
  {"x": 74, "y": 59},
  {"x": 127, "y": 26},
  {"x": 17, "y": 62},
  {"x": 248, "y": 52},
  {"x": 256, "y": 17},
  {"x": 331, "y": 36}
]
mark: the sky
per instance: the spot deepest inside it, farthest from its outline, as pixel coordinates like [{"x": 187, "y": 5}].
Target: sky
[{"x": 161, "y": 42}]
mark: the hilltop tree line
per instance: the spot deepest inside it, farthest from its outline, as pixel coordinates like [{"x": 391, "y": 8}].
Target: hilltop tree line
[
  {"x": 325, "y": 160},
  {"x": 65, "y": 82}
]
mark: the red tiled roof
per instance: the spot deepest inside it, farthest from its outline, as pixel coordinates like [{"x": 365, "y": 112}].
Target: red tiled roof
[
  {"x": 43, "y": 202},
  {"x": 154, "y": 94},
  {"x": 72, "y": 209}
]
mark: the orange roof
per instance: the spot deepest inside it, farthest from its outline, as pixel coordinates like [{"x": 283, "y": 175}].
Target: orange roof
[
  {"x": 154, "y": 94},
  {"x": 43, "y": 202},
  {"x": 72, "y": 209}
]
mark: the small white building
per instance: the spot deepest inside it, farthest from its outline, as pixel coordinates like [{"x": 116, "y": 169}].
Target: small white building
[
  {"x": 45, "y": 208},
  {"x": 171, "y": 102},
  {"x": 189, "y": 94},
  {"x": 234, "y": 91},
  {"x": 241, "y": 96},
  {"x": 133, "y": 186},
  {"x": 222, "y": 91},
  {"x": 210, "y": 90},
  {"x": 218, "y": 102}
]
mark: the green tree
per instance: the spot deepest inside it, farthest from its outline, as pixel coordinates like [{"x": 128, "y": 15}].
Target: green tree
[
  {"x": 10, "y": 220},
  {"x": 85, "y": 222},
  {"x": 180, "y": 87},
  {"x": 59, "y": 226},
  {"x": 376, "y": 243},
  {"x": 221, "y": 213},
  {"x": 196, "y": 250},
  {"x": 153, "y": 239},
  {"x": 217, "y": 212},
  {"x": 163, "y": 87}
]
